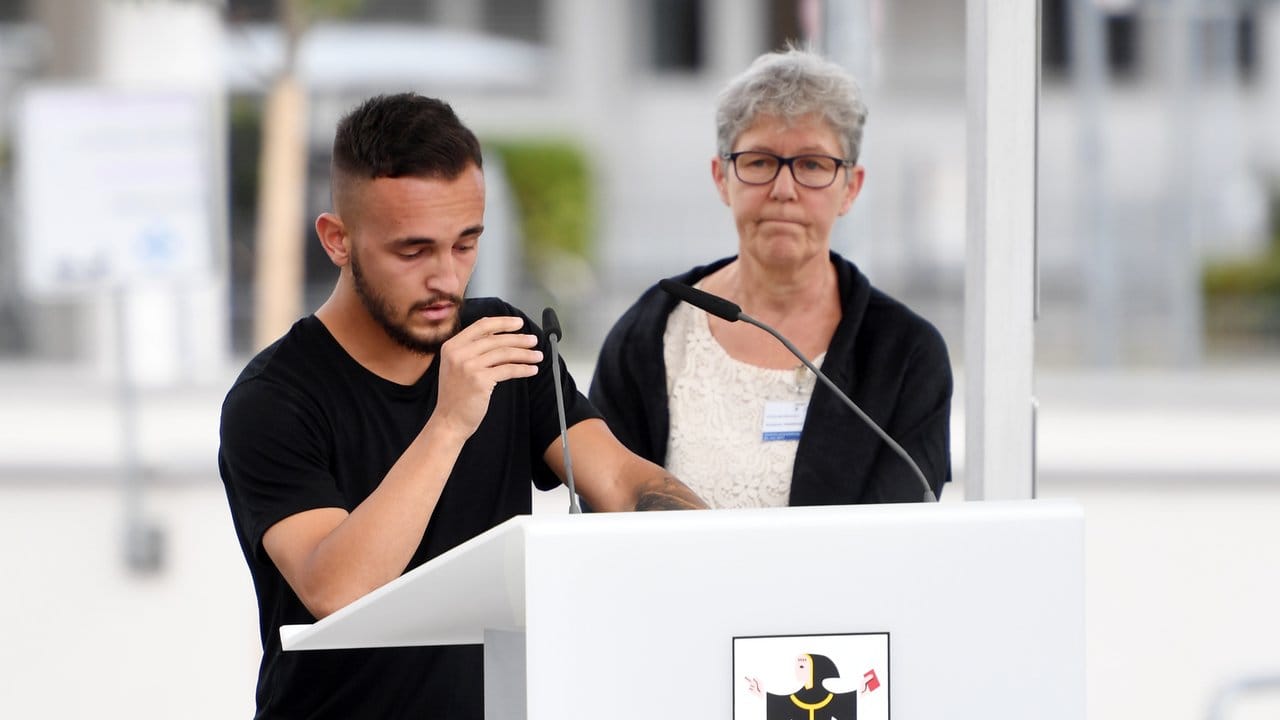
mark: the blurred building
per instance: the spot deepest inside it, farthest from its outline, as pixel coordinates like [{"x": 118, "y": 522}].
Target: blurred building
[{"x": 1155, "y": 151}]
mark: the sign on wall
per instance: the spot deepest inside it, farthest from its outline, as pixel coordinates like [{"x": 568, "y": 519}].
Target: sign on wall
[{"x": 113, "y": 188}]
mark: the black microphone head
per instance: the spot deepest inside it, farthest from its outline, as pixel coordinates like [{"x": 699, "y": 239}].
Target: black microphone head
[
  {"x": 717, "y": 306},
  {"x": 551, "y": 324}
]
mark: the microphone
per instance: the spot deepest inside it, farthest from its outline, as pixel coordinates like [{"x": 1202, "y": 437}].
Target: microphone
[
  {"x": 713, "y": 304},
  {"x": 726, "y": 310},
  {"x": 551, "y": 328}
]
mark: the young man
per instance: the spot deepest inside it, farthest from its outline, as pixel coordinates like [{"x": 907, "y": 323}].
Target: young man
[{"x": 398, "y": 421}]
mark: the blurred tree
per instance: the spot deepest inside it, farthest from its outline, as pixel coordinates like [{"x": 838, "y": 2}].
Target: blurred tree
[
  {"x": 1242, "y": 296},
  {"x": 278, "y": 271},
  {"x": 552, "y": 183}
]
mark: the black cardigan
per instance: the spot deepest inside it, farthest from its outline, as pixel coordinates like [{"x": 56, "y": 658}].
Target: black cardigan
[{"x": 890, "y": 361}]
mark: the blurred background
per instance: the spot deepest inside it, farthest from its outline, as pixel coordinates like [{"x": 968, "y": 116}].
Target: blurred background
[{"x": 161, "y": 162}]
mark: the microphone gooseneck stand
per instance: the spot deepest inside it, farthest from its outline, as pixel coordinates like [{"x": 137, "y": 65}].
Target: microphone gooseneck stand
[
  {"x": 727, "y": 310},
  {"x": 551, "y": 327}
]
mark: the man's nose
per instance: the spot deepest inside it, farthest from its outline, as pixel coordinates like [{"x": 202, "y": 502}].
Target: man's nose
[{"x": 443, "y": 276}]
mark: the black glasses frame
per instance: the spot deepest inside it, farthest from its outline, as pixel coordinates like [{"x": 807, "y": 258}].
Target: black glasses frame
[{"x": 732, "y": 158}]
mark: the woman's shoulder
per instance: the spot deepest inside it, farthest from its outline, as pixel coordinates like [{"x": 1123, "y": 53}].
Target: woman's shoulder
[
  {"x": 889, "y": 320},
  {"x": 880, "y": 317}
]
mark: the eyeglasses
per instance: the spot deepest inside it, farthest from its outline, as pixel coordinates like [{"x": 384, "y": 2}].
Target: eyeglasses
[{"x": 760, "y": 168}]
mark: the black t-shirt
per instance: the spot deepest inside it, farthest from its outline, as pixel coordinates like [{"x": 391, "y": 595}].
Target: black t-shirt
[{"x": 305, "y": 426}]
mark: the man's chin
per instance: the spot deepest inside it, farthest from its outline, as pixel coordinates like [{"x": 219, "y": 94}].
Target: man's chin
[{"x": 427, "y": 337}]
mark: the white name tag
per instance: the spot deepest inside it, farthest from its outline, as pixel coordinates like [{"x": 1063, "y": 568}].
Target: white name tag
[{"x": 783, "y": 419}]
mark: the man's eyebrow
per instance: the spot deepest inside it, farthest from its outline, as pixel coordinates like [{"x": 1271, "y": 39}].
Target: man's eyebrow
[
  {"x": 408, "y": 242},
  {"x": 412, "y": 242}
]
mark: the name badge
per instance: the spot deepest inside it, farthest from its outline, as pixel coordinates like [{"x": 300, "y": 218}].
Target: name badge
[{"x": 783, "y": 419}]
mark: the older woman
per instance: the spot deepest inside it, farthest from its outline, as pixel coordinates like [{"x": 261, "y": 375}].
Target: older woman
[{"x": 723, "y": 405}]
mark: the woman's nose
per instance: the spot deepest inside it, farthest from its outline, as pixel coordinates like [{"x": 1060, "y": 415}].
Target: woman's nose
[{"x": 784, "y": 183}]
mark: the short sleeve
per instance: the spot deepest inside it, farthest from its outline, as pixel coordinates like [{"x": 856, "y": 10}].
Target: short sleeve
[{"x": 274, "y": 457}]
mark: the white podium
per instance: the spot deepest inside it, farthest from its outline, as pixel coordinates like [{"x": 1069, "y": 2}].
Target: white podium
[{"x": 634, "y": 615}]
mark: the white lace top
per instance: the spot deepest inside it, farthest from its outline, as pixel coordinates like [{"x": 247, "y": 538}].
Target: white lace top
[{"x": 716, "y": 444}]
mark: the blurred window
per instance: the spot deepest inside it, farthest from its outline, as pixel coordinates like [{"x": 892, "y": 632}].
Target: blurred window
[
  {"x": 1123, "y": 33},
  {"x": 250, "y": 10},
  {"x": 1227, "y": 41},
  {"x": 519, "y": 19},
  {"x": 1123, "y": 38},
  {"x": 1246, "y": 47},
  {"x": 1055, "y": 50},
  {"x": 784, "y": 24},
  {"x": 676, "y": 32},
  {"x": 13, "y": 10}
]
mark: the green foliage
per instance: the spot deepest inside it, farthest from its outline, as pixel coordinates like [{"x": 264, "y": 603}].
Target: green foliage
[
  {"x": 1255, "y": 277},
  {"x": 551, "y": 182},
  {"x": 1258, "y": 276},
  {"x": 321, "y": 9},
  {"x": 244, "y": 146},
  {"x": 1242, "y": 300}
]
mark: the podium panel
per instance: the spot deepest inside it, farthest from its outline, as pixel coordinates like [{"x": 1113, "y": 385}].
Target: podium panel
[{"x": 635, "y": 615}]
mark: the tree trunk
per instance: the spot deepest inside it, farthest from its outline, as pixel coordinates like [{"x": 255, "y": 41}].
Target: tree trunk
[{"x": 280, "y": 233}]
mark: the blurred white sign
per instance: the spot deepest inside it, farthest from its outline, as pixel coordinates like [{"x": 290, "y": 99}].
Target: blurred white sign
[{"x": 113, "y": 188}]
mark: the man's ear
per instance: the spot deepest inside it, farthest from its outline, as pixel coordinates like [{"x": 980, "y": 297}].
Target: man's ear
[{"x": 334, "y": 238}]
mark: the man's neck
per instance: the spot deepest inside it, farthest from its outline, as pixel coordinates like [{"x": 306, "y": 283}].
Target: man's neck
[{"x": 368, "y": 343}]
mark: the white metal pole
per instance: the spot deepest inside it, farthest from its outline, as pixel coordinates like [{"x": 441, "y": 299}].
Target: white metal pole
[{"x": 1000, "y": 275}]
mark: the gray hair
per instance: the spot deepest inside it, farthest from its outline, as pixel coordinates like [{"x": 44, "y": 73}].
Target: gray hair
[{"x": 791, "y": 84}]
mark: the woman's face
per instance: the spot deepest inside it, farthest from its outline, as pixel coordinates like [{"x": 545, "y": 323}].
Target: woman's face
[{"x": 782, "y": 224}]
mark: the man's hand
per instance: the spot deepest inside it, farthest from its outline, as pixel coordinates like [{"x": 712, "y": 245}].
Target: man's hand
[{"x": 474, "y": 361}]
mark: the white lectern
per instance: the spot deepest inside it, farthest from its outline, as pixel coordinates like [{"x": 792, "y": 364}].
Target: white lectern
[{"x": 634, "y": 615}]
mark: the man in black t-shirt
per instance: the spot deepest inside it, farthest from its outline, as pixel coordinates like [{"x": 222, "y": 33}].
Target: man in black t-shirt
[{"x": 398, "y": 421}]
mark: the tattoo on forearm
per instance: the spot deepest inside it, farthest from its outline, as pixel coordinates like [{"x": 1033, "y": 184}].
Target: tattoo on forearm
[{"x": 670, "y": 495}]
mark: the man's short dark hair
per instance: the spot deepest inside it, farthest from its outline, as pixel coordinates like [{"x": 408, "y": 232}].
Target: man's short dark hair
[{"x": 403, "y": 135}]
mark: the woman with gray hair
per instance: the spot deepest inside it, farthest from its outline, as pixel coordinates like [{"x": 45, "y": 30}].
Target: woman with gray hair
[{"x": 727, "y": 408}]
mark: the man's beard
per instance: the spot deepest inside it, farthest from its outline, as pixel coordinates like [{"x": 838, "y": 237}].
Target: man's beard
[{"x": 382, "y": 312}]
